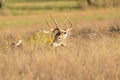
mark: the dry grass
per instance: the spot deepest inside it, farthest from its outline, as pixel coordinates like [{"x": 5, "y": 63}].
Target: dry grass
[{"x": 93, "y": 54}]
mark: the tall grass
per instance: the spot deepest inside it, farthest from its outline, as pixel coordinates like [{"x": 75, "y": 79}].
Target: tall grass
[
  {"x": 89, "y": 55},
  {"x": 92, "y": 51}
]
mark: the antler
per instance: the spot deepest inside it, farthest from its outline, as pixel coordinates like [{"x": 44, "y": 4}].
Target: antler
[
  {"x": 69, "y": 21},
  {"x": 51, "y": 29},
  {"x": 65, "y": 24},
  {"x": 54, "y": 21},
  {"x": 69, "y": 27},
  {"x": 47, "y": 23},
  {"x": 57, "y": 28}
]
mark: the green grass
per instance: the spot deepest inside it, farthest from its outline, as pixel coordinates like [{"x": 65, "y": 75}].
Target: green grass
[
  {"x": 27, "y": 7},
  {"x": 38, "y": 17},
  {"x": 16, "y": 14},
  {"x": 36, "y": 6},
  {"x": 35, "y": 0}
]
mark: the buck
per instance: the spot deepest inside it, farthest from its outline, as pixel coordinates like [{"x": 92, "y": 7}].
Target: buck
[{"x": 59, "y": 35}]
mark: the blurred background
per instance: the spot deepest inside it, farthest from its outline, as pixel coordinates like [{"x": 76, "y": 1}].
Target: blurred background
[
  {"x": 20, "y": 7},
  {"x": 33, "y": 12}
]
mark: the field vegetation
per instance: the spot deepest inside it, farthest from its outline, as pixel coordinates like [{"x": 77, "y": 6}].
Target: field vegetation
[{"x": 92, "y": 51}]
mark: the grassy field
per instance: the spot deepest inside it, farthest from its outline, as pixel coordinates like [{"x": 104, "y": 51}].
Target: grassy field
[
  {"x": 37, "y": 17},
  {"x": 21, "y": 8},
  {"x": 92, "y": 51}
]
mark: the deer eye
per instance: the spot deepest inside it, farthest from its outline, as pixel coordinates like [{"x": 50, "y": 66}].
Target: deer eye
[
  {"x": 59, "y": 37},
  {"x": 65, "y": 32}
]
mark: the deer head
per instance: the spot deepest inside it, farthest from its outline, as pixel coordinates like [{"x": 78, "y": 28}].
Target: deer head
[{"x": 59, "y": 35}]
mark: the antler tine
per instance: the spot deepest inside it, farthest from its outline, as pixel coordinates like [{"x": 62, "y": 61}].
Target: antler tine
[
  {"x": 69, "y": 21},
  {"x": 50, "y": 28},
  {"x": 47, "y": 23},
  {"x": 54, "y": 20},
  {"x": 65, "y": 23}
]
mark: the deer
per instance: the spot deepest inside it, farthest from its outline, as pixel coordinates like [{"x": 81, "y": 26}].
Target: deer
[{"x": 59, "y": 35}]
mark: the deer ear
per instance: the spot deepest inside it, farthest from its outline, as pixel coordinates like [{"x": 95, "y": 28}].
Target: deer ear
[
  {"x": 55, "y": 32},
  {"x": 46, "y": 31}
]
